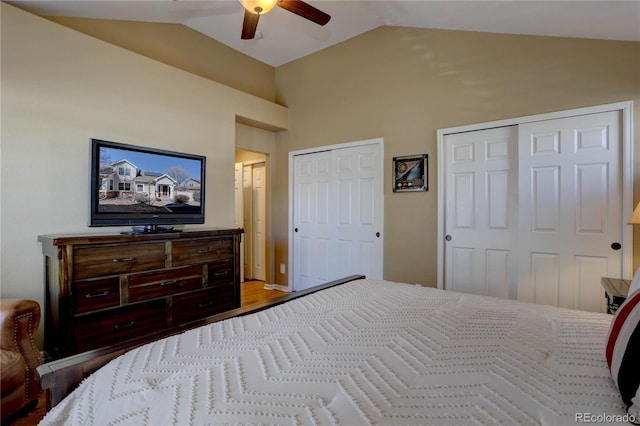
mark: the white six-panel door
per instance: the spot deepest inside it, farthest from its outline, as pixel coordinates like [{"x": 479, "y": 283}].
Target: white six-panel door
[
  {"x": 570, "y": 209},
  {"x": 532, "y": 211},
  {"x": 314, "y": 220},
  {"x": 481, "y": 222},
  {"x": 258, "y": 192},
  {"x": 247, "y": 203},
  {"x": 337, "y": 215},
  {"x": 250, "y": 212}
]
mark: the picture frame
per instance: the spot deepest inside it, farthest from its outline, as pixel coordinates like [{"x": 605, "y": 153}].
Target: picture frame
[{"x": 410, "y": 173}]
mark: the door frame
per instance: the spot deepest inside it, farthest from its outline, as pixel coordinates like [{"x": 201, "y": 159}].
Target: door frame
[
  {"x": 626, "y": 133},
  {"x": 292, "y": 154}
]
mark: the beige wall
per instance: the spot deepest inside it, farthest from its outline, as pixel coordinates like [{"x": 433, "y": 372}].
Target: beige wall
[
  {"x": 402, "y": 84},
  {"x": 184, "y": 48},
  {"x": 59, "y": 89},
  {"x": 249, "y": 156}
]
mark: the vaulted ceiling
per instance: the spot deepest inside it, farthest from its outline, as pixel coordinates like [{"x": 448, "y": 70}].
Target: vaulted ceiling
[{"x": 283, "y": 36}]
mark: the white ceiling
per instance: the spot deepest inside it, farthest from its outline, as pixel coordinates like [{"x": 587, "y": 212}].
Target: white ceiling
[{"x": 283, "y": 36}]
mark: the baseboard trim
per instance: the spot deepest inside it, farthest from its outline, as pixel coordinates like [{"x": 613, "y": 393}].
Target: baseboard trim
[{"x": 276, "y": 287}]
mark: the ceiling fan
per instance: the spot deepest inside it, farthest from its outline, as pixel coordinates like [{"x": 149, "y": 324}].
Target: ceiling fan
[{"x": 255, "y": 8}]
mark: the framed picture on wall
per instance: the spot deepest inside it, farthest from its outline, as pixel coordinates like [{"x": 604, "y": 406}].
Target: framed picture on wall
[{"x": 410, "y": 173}]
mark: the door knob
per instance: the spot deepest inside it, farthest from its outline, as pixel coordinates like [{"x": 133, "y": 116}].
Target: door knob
[
  {"x": 616, "y": 246},
  {"x": 447, "y": 237},
  {"x": 296, "y": 229},
  {"x": 377, "y": 234}
]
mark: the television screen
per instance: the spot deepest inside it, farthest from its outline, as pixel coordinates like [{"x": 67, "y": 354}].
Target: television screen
[{"x": 133, "y": 185}]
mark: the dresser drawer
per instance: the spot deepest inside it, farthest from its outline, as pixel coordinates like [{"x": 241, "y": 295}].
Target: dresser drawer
[
  {"x": 201, "y": 304},
  {"x": 151, "y": 285},
  {"x": 117, "y": 259},
  {"x": 113, "y": 288},
  {"x": 117, "y": 325},
  {"x": 220, "y": 272},
  {"x": 97, "y": 294},
  {"x": 201, "y": 251}
]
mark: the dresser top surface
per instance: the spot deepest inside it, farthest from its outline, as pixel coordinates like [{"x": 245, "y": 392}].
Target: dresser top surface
[{"x": 74, "y": 239}]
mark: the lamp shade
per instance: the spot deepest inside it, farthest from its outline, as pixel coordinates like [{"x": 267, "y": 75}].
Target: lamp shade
[
  {"x": 635, "y": 217},
  {"x": 258, "y": 7}
]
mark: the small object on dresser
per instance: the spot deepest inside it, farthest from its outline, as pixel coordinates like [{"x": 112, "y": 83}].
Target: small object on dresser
[{"x": 616, "y": 291}]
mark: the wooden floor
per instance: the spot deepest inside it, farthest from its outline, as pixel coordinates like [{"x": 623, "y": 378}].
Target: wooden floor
[{"x": 251, "y": 292}]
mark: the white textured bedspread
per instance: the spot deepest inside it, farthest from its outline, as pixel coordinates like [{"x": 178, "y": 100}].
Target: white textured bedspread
[{"x": 367, "y": 352}]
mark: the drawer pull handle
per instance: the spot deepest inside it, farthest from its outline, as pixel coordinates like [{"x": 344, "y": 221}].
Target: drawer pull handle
[
  {"x": 205, "y": 304},
  {"x": 168, "y": 282},
  {"x": 93, "y": 296},
  {"x": 219, "y": 274},
  {"x": 124, "y": 259},
  {"x": 205, "y": 251},
  {"x": 124, "y": 326}
]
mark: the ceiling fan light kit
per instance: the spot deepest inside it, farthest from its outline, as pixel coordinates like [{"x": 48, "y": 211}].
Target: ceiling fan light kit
[
  {"x": 255, "y": 8},
  {"x": 258, "y": 7}
]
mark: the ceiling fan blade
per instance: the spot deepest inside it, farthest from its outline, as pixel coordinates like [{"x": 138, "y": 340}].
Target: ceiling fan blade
[
  {"x": 249, "y": 25},
  {"x": 305, "y": 10}
]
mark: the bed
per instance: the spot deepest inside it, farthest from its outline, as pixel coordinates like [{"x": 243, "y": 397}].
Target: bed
[{"x": 364, "y": 352}]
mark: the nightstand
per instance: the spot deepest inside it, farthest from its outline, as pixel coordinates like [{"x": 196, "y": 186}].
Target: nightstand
[{"x": 615, "y": 290}]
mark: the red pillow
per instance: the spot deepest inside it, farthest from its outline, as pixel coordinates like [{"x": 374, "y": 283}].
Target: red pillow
[{"x": 623, "y": 352}]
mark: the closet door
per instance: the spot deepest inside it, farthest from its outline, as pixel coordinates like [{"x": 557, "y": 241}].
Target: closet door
[
  {"x": 570, "y": 209},
  {"x": 534, "y": 211},
  {"x": 259, "y": 190},
  {"x": 359, "y": 211},
  {"x": 337, "y": 215},
  {"x": 314, "y": 220},
  {"x": 247, "y": 203},
  {"x": 481, "y": 222}
]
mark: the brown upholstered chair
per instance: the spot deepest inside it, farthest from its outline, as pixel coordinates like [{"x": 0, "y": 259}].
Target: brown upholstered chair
[{"x": 19, "y": 355}]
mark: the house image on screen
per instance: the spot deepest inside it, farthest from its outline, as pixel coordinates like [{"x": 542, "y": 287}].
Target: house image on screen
[
  {"x": 123, "y": 180},
  {"x": 191, "y": 184}
]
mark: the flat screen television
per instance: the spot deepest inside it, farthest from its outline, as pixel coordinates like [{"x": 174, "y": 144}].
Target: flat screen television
[{"x": 146, "y": 188}]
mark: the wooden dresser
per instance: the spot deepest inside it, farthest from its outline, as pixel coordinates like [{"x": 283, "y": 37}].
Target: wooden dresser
[{"x": 106, "y": 289}]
